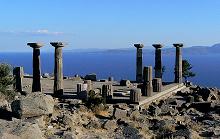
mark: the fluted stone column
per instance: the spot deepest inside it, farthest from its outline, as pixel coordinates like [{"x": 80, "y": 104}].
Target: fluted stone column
[
  {"x": 135, "y": 95},
  {"x": 58, "y": 69},
  {"x": 89, "y": 83},
  {"x": 157, "y": 85},
  {"x": 178, "y": 63},
  {"x": 158, "y": 62},
  {"x": 147, "y": 89},
  {"x": 36, "y": 86},
  {"x": 107, "y": 91},
  {"x": 18, "y": 74},
  {"x": 139, "y": 62}
]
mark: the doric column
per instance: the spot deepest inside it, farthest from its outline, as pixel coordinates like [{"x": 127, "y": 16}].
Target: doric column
[
  {"x": 135, "y": 95},
  {"x": 107, "y": 91},
  {"x": 139, "y": 62},
  {"x": 58, "y": 69},
  {"x": 157, "y": 85},
  {"x": 178, "y": 63},
  {"x": 147, "y": 85},
  {"x": 18, "y": 74},
  {"x": 36, "y": 86},
  {"x": 158, "y": 63}
]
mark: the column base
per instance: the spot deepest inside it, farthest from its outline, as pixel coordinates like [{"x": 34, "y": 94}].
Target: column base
[{"x": 58, "y": 92}]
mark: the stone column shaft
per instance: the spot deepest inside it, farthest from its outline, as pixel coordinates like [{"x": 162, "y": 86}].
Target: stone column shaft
[
  {"x": 58, "y": 69},
  {"x": 178, "y": 63},
  {"x": 158, "y": 62},
  {"x": 36, "y": 86},
  {"x": 139, "y": 62},
  {"x": 135, "y": 95},
  {"x": 157, "y": 84},
  {"x": 107, "y": 91},
  {"x": 89, "y": 83},
  {"x": 147, "y": 89},
  {"x": 18, "y": 73}
]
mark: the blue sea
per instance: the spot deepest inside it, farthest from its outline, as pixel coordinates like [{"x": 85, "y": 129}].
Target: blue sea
[{"x": 120, "y": 66}]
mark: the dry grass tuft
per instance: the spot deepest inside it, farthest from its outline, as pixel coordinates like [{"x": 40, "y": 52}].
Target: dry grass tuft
[{"x": 48, "y": 132}]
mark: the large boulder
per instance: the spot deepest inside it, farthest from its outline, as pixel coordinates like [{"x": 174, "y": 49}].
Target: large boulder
[
  {"x": 119, "y": 113},
  {"x": 4, "y": 104},
  {"x": 110, "y": 124},
  {"x": 187, "y": 133},
  {"x": 17, "y": 130},
  {"x": 34, "y": 104}
]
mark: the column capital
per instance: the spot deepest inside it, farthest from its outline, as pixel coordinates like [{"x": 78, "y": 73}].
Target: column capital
[
  {"x": 36, "y": 45},
  {"x": 157, "y": 45},
  {"x": 58, "y": 44},
  {"x": 139, "y": 45},
  {"x": 178, "y": 44}
]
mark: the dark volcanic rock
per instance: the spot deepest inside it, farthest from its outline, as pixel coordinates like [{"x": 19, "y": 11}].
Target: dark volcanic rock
[
  {"x": 187, "y": 133},
  {"x": 130, "y": 131}
]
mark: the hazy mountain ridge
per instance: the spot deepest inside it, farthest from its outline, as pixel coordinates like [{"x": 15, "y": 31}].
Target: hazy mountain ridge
[{"x": 149, "y": 50}]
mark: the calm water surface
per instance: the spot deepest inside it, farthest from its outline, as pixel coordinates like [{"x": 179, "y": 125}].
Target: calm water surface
[{"x": 119, "y": 66}]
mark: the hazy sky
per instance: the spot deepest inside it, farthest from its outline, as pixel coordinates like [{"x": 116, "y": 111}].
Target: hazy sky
[{"x": 108, "y": 23}]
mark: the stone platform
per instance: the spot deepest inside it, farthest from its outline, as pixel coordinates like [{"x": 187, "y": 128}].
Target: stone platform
[{"x": 121, "y": 93}]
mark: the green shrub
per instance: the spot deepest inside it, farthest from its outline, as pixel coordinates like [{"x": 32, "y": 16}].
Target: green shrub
[
  {"x": 6, "y": 79},
  {"x": 93, "y": 101}
]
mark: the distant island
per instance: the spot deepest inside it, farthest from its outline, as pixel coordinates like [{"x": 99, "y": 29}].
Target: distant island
[{"x": 147, "y": 50}]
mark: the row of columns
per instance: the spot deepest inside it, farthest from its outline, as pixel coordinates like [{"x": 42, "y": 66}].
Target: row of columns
[
  {"x": 58, "y": 68},
  {"x": 158, "y": 62}
]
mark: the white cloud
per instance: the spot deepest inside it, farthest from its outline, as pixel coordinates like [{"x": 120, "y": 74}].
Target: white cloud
[{"x": 38, "y": 32}]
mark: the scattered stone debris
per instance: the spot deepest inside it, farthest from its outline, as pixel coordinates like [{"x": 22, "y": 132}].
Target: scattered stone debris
[{"x": 178, "y": 116}]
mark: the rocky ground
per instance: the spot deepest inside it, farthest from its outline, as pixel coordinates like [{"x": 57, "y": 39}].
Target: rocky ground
[{"x": 191, "y": 114}]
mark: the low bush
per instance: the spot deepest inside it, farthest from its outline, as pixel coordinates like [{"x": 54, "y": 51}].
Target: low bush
[
  {"x": 6, "y": 80},
  {"x": 95, "y": 102}
]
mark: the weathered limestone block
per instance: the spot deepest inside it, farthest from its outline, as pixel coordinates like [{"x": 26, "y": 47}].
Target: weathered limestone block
[
  {"x": 107, "y": 91},
  {"x": 84, "y": 87},
  {"x": 157, "y": 84},
  {"x": 46, "y": 75},
  {"x": 82, "y": 90},
  {"x": 35, "y": 120},
  {"x": 135, "y": 95},
  {"x": 92, "y": 77},
  {"x": 34, "y": 104},
  {"x": 111, "y": 79},
  {"x": 20, "y": 130},
  {"x": 18, "y": 73},
  {"x": 119, "y": 113},
  {"x": 4, "y": 104},
  {"x": 103, "y": 80},
  {"x": 79, "y": 87},
  {"x": 125, "y": 82},
  {"x": 89, "y": 85},
  {"x": 110, "y": 124}
]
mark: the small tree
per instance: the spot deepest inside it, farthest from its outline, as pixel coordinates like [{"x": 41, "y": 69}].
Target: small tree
[
  {"x": 6, "y": 79},
  {"x": 185, "y": 69},
  {"x": 163, "y": 69}
]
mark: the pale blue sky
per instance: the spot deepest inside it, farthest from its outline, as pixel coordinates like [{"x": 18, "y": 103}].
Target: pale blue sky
[{"x": 108, "y": 23}]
